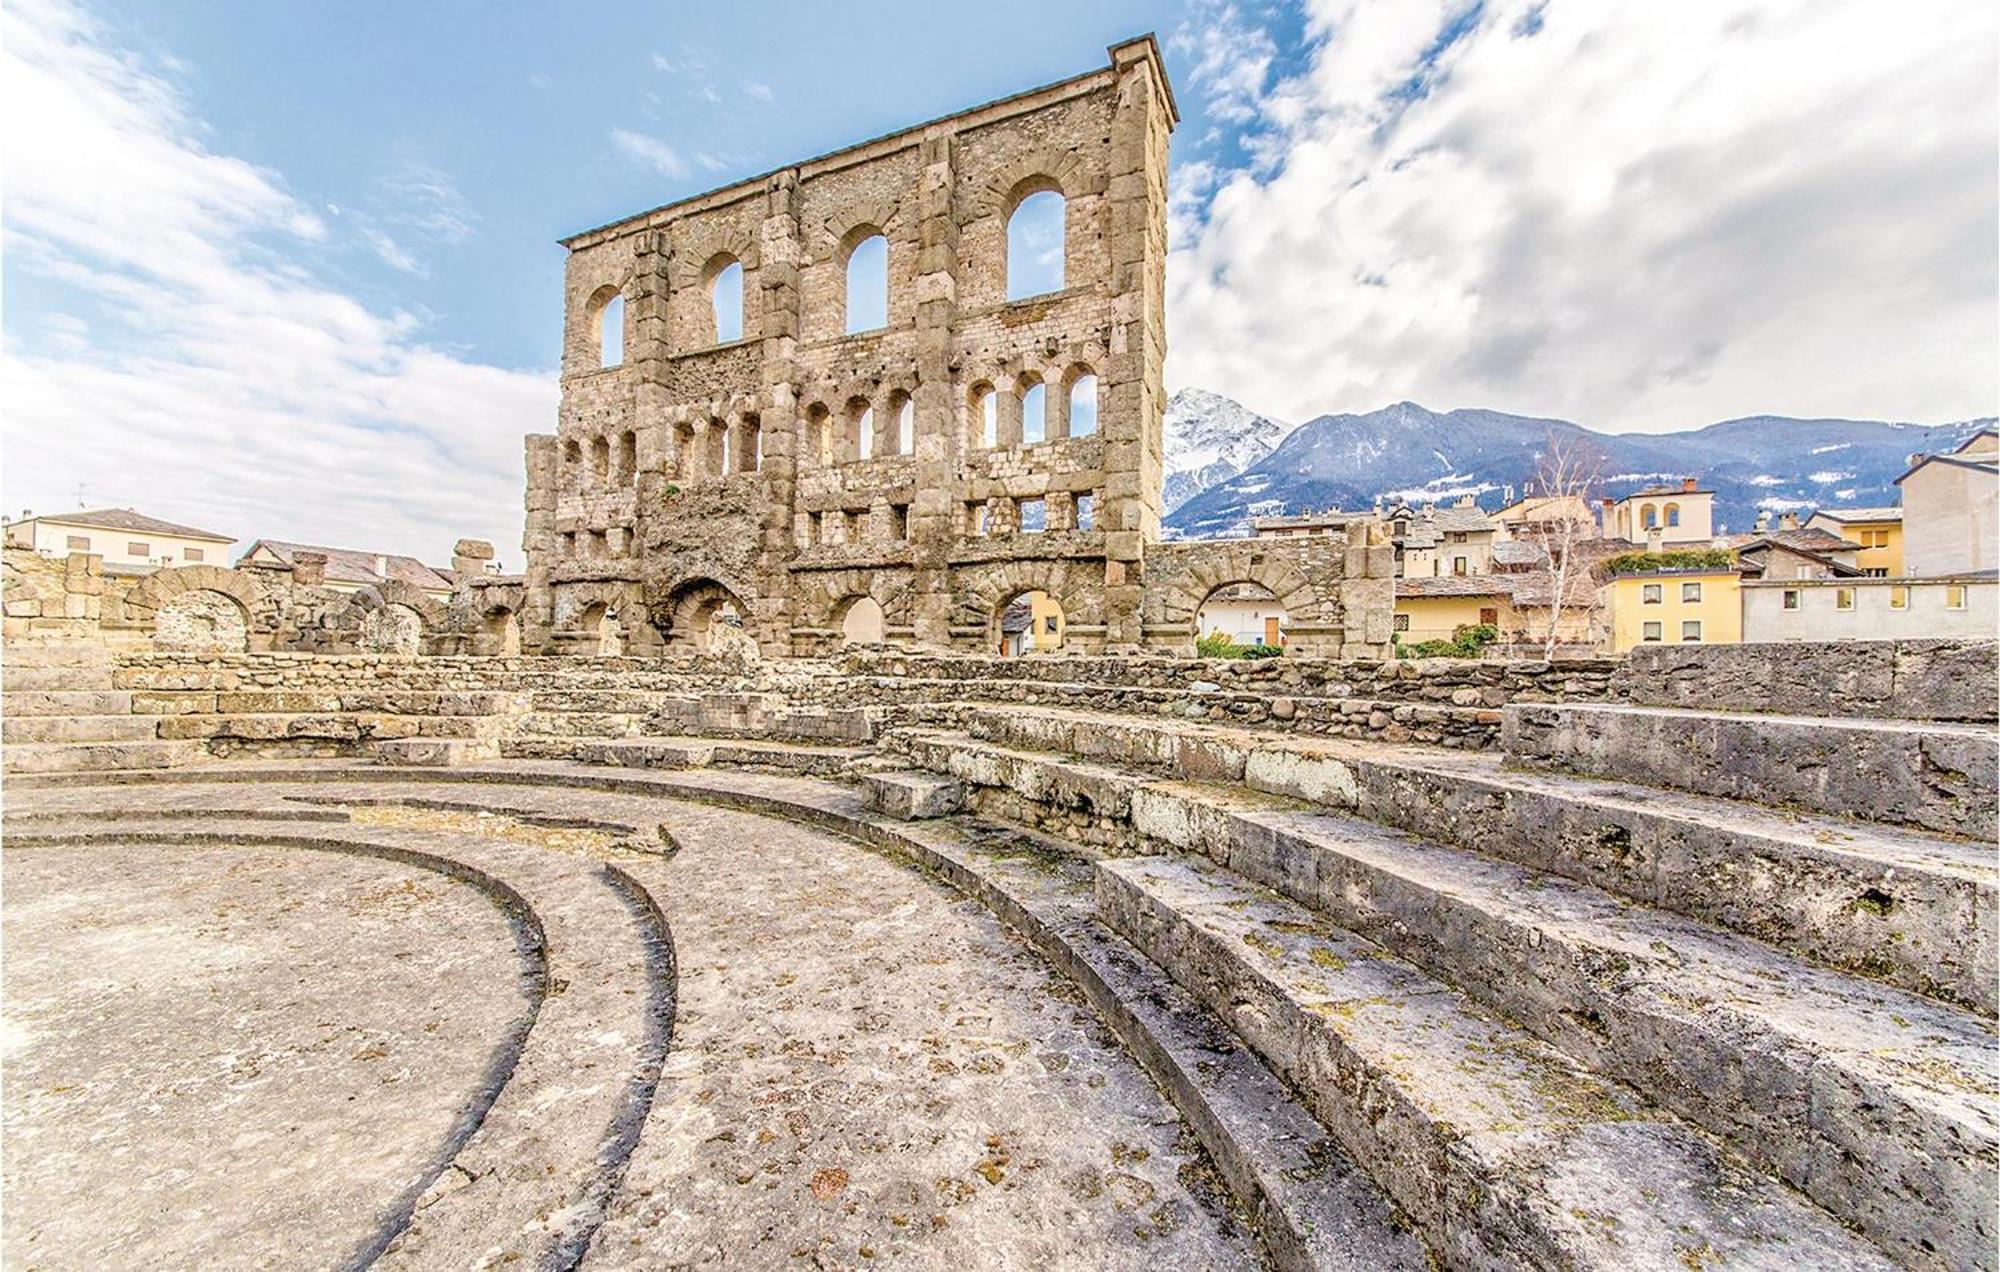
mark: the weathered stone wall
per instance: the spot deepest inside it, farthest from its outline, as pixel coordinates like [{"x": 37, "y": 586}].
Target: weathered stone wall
[
  {"x": 1898, "y": 679},
  {"x": 765, "y": 484}
]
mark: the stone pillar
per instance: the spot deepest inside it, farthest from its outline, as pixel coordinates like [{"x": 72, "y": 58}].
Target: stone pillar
[
  {"x": 538, "y": 541},
  {"x": 780, "y": 254},
  {"x": 933, "y": 516},
  {"x": 1133, "y": 380},
  {"x": 469, "y": 559}
]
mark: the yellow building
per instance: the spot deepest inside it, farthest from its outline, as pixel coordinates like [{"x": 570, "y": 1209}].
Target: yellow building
[
  {"x": 1879, "y": 531},
  {"x": 1436, "y": 608},
  {"x": 1682, "y": 514},
  {"x": 1696, "y": 606}
]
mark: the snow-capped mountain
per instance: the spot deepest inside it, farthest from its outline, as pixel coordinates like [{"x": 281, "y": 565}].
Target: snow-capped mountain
[
  {"x": 1405, "y": 452},
  {"x": 1211, "y": 439}
]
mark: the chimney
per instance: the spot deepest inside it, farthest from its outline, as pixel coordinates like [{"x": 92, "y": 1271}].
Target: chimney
[
  {"x": 1763, "y": 520},
  {"x": 1688, "y": 484},
  {"x": 1653, "y": 540},
  {"x": 381, "y": 566},
  {"x": 308, "y": 569},
  {"x": 1790, "y": 521}
]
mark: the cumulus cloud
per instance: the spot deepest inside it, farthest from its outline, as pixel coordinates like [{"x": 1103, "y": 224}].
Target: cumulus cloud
[
  {"x": 1637, "y": 215},
  {"x": 200, "y": 369}
]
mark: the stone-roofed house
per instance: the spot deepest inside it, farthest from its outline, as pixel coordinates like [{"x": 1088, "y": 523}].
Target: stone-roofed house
[
  {"x": 351, "y": 569},
  {"x": 1434, "y": 608},
  {"x": 130, "y": 542}
]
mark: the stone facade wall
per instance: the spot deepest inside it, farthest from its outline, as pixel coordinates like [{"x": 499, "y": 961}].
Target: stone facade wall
[
  {"x": 1897, "y": 679},
  {"x": 764, "y": 484}
]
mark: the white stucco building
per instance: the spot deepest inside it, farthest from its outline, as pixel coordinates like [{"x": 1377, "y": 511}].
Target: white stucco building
[
  {"x": 130, "y": 542},
  {"x": 1870, "y": 608}
]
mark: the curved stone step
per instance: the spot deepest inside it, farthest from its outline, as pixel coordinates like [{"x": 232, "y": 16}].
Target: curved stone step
[
  {"x": 1939, "y": 777},
  {"x": 77, "y": 728},
  {"x": 1503, "y": 1151},
  {"x": 73, "y": 757},
  {"x": 15, "y": 704},
  {"x": 1913, "y": 908}
]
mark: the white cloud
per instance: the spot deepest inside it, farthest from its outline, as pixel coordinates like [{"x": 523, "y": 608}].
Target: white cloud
[
  {"x": 1634, "y": 214},
  {"x": 218, "y": 381},
  {"x": 762, "y": 92},
  {"x": 651, "y": 151}
]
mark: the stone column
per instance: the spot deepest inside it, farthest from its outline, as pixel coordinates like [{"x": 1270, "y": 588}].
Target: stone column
[
  {"x": 780, "y": 252},
  {"x": 1133, "y": 379},
  {"x": 938, "y": 443}
]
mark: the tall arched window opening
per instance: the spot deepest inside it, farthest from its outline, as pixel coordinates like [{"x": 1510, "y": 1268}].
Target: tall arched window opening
[
  {"x": 1035, "y": 246},
  {"x": 725, "y": 297},
  {"x": 611, "y": 333},
  {"x": 868, "y": 284}
]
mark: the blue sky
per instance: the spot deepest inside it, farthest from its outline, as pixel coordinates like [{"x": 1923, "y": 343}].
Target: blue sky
[{"x": 291, "y": 270}]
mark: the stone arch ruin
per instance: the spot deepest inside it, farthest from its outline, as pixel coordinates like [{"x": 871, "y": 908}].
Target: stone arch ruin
[{"x": 839, "y": 485}]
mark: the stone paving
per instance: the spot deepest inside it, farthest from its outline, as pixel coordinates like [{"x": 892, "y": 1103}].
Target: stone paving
[
  {"x": 236, "y": 1056},
  {"x": 863, "y": 1065}
]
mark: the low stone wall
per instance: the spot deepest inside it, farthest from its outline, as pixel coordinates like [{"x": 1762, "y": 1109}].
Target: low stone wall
[
  {"x": 1442, "y": 681},
  {"x": 1947, "y": 680}
]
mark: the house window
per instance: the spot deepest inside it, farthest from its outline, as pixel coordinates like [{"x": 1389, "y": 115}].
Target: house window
[
  {"x": 1490, "y": 617},
  {"x": 1843, "y": 598},
  {"x": 1954, "y": 597},
  {"x": 1691, "y": 631},
  {"x": 1691, "y": 592},
  {"x": 1650, "y": 594},
  {"x": 1458, "y": 565},
  {"x": 138, "y": 549},
  {"x": 79, "y": 543},
  {"x": 1400, "y": 623},
  {"x": 1049, "y": 624},
  {"x": 1650, "y": 632},
  {"x": 1899, "y": 598},
  {"x": 191, "y": 554},
  {"x": 1791, "y": 598}
]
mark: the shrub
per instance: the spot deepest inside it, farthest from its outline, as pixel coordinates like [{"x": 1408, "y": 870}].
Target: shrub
[
  {"x": 1466, "y": 642},
  {"x": 1683, "y": 559},
  {"x": 1219, "y": 644}
]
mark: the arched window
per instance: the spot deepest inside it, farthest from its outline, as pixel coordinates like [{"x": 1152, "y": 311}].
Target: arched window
[
  {"x": 725, "y": 298},
  {"x": 628, "y": 455},
  {"x": 600, "y": 457},
  {"x": 903, "y": 439},
  {"x": 1035, "y": 245},
  {"x": 860, "y": 429},
  {"x": 611, "y": 333},
  {"x": 1083, "y": 405},
  {"x": 985, "y": 415},
  {"x": 572, "y": 453},
  {"x": 1649, "y": 517},
  {"x": 868, "y": 282},
  {"x": 1034, "y": 413},
  {"x": 1673, "y": 514},
  {"x": 750, "y": 437}
]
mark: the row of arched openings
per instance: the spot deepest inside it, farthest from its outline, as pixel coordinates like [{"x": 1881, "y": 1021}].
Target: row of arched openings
[{"x": 1036, "y": 230}]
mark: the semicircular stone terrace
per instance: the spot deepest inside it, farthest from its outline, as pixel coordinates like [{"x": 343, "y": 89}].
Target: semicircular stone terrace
[{"x": 993, "y": 962}]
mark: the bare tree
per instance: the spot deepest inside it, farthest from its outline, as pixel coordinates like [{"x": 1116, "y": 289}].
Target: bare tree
[{"x": 1568, "y": 474}]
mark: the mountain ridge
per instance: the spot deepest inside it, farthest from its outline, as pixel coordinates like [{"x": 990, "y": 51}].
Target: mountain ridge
[{"x": 1407, "y": 451}]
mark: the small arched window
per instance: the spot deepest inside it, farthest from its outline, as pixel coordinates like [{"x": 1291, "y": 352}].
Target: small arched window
[
  {"x": 1673, "y": 514},
  {"x": 868, "y": 283},
  {"x": 725, "y": 298},
  {"x": 600, "y": 457},
  {"x": 861, "y": 429},
  {"x": 611, "y": 333},
  {"x": 906, "y": 429},
  {"x": 819, "y": 435},
  {"x": 1034, "y": 413},
  {"x": 572, "y": 453},
  {"x": 985, "y": 418},
  {"x": 750, "y": 435},
  {"x": 1083, "y": 406},
  {"x": 1035, "y": 245},
  {"x": 1649, "y": 517},
  {"x": 628, "y": 455}
]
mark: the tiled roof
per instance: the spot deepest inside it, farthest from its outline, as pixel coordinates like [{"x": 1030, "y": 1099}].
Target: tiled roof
[
  {"x": 1860, "y": 514},
  {"x": 135, "y": 522},
  {"x": 1456, "y": 585},
  {"x": 1815, "y": 540},
  {"x": 1518, "y": 552},
  {"x": 350, "y": 565}
]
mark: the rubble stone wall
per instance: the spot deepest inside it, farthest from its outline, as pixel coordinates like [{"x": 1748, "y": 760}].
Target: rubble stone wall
[{"x": 1901, "y": 679}]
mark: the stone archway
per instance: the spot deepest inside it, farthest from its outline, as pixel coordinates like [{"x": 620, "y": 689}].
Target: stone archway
[
  {"x": 202, "y": 621},
  {"x": 1031, "y": 622},
  {"x": 703, "y": 616},
  {"x": 862, "y": 621},
  {"x": 1247, "y": 612},
  {"x": 499, "y": 634}
]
